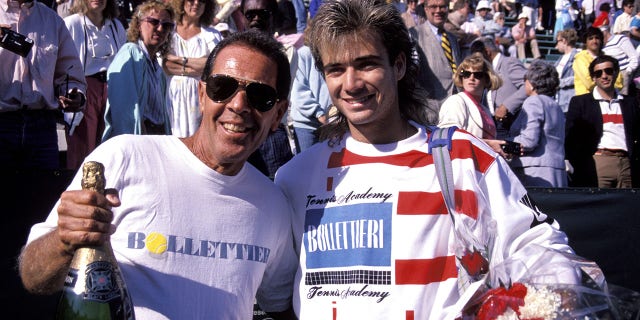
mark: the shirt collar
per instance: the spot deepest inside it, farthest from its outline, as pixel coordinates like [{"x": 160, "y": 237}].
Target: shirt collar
[{"x": 598, "y": 96}]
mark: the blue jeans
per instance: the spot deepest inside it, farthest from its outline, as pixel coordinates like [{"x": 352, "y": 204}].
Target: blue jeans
[
  {"x": 28, "y": 140},
  {"x": 305, "y": 138}
]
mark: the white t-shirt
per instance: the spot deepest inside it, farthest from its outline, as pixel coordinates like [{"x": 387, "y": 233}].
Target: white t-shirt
[
  {"x": 221, "y": 241},
  {"x": 374, "y": 236}
]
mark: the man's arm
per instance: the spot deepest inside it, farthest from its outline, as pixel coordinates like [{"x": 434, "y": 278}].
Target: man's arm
[{"x": 84, "y": 218}]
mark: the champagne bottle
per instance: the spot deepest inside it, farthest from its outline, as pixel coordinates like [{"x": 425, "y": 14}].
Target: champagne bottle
[{"x": 94, "y": 287}]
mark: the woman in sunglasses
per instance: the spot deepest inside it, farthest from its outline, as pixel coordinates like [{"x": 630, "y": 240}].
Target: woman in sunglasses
[
  {"x": 191, "y": 44},
  {"x": 137, "y": 98},
  {"x": 539, "y": 128},
  {"x": 466, "y": 109},
  {"x": 98, "y": 35}
]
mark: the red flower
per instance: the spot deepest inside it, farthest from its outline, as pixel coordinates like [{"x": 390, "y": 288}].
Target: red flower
[
  {"x": 475, "y": 264},
  {"x": 497, "y": 300}
]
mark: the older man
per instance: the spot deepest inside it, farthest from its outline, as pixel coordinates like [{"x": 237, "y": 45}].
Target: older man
[
  {"x": 215, "y": 211},
  {"x": 438, "y": 53}
]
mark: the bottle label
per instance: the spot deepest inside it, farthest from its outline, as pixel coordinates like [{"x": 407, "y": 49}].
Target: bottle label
[{"x": 101, "y": 283}]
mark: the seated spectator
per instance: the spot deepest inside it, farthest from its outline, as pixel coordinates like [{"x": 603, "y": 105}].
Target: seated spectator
[
  {"x": 484, "y": 20},
  {"x": 458, "y": 23},
  {"x": 503, "y": 37},
  {"x": 524, "y": 35},
  {"x": 620, "y": 47},
  {"x": 539, "y": 128}
]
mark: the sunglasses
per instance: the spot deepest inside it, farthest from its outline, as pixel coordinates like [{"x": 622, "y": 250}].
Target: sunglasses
[
  {"x": 260, "y": 96},
  {"x": 598, "y": 73},
  {"x": 477, "y": 74},
  {"x": 262, "y": 14},
  {"x": 166, "y": 25}
]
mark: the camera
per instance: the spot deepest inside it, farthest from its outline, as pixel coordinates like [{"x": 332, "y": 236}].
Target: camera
[
  {"x": 511, "y": 147},
  {"x": 15, "y": 42}
]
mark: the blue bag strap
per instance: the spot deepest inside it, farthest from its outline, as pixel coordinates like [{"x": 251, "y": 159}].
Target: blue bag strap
[{"x": 439, "y": 146}]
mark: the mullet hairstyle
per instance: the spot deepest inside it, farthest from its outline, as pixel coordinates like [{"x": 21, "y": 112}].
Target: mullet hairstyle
[
  {"x": 110, "y": 10},
  {"x": 339, "y": 21},
  {"x": 133, "y": 33},
  {"x": 205, "y": 19},
  {"x": 264, "y": 44}
]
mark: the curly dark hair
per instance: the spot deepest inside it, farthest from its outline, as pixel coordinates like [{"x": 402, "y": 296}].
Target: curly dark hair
[
  {"x": 133, "y": 33},
  {"x": 266, "y": 45},
  {"x": 205, "y": 19}
]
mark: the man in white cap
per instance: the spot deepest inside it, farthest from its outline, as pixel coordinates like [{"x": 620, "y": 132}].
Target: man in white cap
[
  {"x": 484, "y": 20},
  {"x": 523, "y": 34}
]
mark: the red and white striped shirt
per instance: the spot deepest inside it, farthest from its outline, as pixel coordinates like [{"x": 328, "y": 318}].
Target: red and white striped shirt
[{"x": 373, "y": 234}]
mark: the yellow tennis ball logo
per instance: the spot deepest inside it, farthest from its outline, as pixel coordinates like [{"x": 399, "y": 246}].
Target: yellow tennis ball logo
[{"x": 156, "y": 243}]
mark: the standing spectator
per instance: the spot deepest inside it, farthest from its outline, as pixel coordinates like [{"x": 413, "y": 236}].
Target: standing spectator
[
  {"x": 588, "y": 7},
  {"x": 98, "y": 36},
  {"x": 309, "y": 100},
  {"x": 410, "y": 16},
  {"x": 36, "y": 86},
  {"x": 372, "y": 185},
  {"x": 223, "y": 230},
  {"x": 457, "y": 22},
  {"x": 484, "y": 20},
  {"x": 261, "y": 15},
  {"x": 603, "y": 17},
  {"x": 191, "y": 44},
  {"x": 506, "y": 101},
  {"x": 564, "y": 66},
  {"x": 539, "y": 128},
  {"x": 620, "y": 47},
  {"x": 137, "y": 98},
  {"x": 603, "y": 133},
  {"x": 592, "y": 48},
  {"x": 524, "y": 35},
  {"x": 623, "y": 21},
  {"x": 466, "y": 109},
  {"x": 438, "y": 53}
]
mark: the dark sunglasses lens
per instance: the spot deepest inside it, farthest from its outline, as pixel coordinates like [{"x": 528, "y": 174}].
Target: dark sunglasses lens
[
  {"x": 263, "y": 14},
  {"x": 608, "y": 71},
  {"x": 467, "y": 74},
  {"x": 221, "y": 88},
  {"x": 261, "y": 96},
  {"x": 168, "y": 25}
]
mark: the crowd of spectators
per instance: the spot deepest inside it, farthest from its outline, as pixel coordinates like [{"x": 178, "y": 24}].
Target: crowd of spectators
[{"x": 479, "y": 58}]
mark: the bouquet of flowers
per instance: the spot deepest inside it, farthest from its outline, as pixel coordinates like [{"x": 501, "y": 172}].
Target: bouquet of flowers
[{"x": 574, "y": 288}]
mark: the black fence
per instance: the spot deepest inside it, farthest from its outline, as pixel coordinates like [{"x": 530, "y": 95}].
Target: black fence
[{"x": 603, "y": 225}]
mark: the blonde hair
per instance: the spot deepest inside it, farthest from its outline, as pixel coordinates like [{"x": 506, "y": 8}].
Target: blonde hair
[
  {"x": 133, "y": 33},
  {"x": 476, "y": 61}
]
